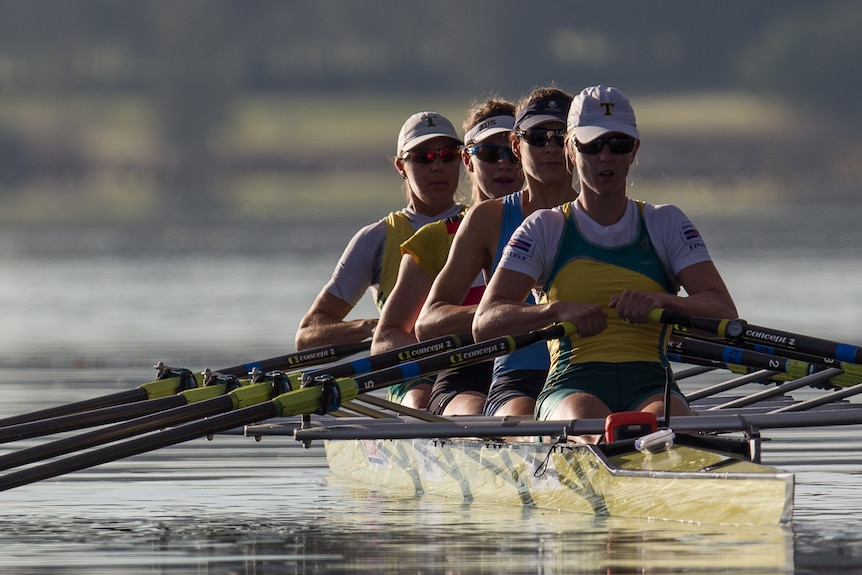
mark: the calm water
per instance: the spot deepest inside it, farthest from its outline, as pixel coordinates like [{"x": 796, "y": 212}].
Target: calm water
[{"x": 88, "y": 312}]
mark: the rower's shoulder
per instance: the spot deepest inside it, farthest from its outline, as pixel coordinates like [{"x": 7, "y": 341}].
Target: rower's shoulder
[{"x": 483, "y": 214}]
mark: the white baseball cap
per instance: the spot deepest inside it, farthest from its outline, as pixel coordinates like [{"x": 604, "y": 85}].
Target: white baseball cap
[
  {"x": 423, "y": 126},
  {"x": 600, "y": 110},
  {"x": 488, "y": 127}
]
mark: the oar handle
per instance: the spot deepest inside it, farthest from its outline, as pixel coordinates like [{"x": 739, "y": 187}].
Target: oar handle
[
  {"x": 389, "y": 358},
  {"x": 729, "y": 328},
  {"x": 765, "y": 338},
  {"x": 300, "y": 359},
  {"x": 462, "y": 356}
]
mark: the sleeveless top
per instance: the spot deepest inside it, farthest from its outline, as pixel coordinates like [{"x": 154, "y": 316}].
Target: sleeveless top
[
  {"x": 398, "y": 229},
  {"x": 610, "y": 271},
  {"x": 534, "y": 357}
]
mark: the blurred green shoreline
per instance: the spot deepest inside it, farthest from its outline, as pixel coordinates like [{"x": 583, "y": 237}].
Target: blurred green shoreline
[{"x": 99, "y": 160}]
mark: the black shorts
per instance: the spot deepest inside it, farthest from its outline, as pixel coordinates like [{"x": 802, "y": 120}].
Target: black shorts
[
  {"x": 512, "y": 385},
  {"x": 449, "y": 383}
]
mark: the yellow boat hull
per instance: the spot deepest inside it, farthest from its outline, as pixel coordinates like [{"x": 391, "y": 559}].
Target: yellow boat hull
[{"x": 683, "y": 483}]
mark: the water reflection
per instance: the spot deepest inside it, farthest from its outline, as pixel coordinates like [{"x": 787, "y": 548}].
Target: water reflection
[{"x": 366, "y": 532}]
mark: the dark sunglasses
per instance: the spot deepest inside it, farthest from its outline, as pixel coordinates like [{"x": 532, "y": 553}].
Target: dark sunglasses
[
  {"x": 617, "y": 144},
  {"x": 542, "y": 137},
  {"x": 492, "y": 153},
  {"x": 427, "y": 155}
]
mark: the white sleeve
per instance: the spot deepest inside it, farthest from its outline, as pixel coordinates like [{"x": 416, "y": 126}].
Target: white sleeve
[
  {"x": 676, "y": 239},
  {"x": 533, "y": 247},
  {"x": 359, "y": 265}
]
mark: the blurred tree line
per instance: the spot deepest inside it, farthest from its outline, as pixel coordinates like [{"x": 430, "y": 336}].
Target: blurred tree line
[{"x": 193, "y": 58}]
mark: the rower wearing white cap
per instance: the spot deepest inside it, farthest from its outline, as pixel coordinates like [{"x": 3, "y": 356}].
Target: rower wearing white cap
[
  {"x": 603, "y": 262},
  {"x": 494, "y": 173},
  {"x": 428, "y": 157}
]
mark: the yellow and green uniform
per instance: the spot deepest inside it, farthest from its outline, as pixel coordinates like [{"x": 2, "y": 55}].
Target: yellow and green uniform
[{"x": 625, "y": 363}]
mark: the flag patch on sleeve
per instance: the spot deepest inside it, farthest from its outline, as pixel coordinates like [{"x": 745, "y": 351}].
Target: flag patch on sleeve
[
  {"x": 691, "y": 237},
  {"x": 690, "y": 233},
  {"x": 521, "y": 246}
]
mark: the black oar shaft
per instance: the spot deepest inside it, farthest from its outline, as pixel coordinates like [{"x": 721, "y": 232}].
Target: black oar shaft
[
  {"x": 773, "y": 338},
  {"x": 740, "y": 330},
  {"x": 121, "y": 397},
  {"x": 90, "y": 418},
  {"x": 116, "y": 432},
  {"x": 139, "y": 445},
  {"x": 299, "y": 359},
  {"x": 390, "y": 358}
]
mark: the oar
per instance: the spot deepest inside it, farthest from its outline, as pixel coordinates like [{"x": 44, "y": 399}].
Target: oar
[
  {"x": 822, "y": 400},
  {"x": 740, "y": 330},
  {"x": 323, "y": 397},
  {"x": 113, "y": 414},
  {"x": 792, "y": 385},
  {"x": 849, "y": 368},
  {"x": 693, "y": 371},
  {"x": 797, "y": 374},
  {"x": 214, "y": 385},
  {"x": 389, "y": 358},
  {"x": 785, "y": 368},
  {"x": 171, "y": 381},
  {"x": 249, "y": 394},
  {"x": 179, "y": 411}
]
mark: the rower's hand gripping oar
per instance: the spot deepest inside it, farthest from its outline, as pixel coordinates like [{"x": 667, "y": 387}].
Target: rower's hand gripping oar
[
  {"x": 172, "y": 380},
  {"x": 323, "y": 397}
]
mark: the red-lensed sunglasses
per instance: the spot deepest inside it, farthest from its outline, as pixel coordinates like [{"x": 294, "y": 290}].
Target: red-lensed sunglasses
[{"x": 427, "y": 155}]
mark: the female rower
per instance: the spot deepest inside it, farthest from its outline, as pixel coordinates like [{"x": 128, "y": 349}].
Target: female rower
[
  {"x": 428, "y": 158},
  {"x": 603, "y": 261},
  {"x": 537, "y": 140},
  {"x": 495, "y": 173}
]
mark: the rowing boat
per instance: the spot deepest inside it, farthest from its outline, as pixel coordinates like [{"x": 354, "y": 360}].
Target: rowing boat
[{"x": 694, "y": 479}]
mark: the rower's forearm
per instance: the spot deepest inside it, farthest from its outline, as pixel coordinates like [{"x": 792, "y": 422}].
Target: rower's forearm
[
  {"x": 444, "y": 320},
  {"x": 510, "y": 318},
  {"x": 320, "y": 333},
  {"x": 704, "y": 304},
  {"x": 387, "y": 337}
]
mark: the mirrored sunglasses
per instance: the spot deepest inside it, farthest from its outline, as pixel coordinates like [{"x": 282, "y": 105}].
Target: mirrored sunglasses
[
  {"x": 617, "y": 144},
  {"x": 427, "y": 155},
  {"x": 541, "y": 138},
  {"x": 492, "y": 153}
]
